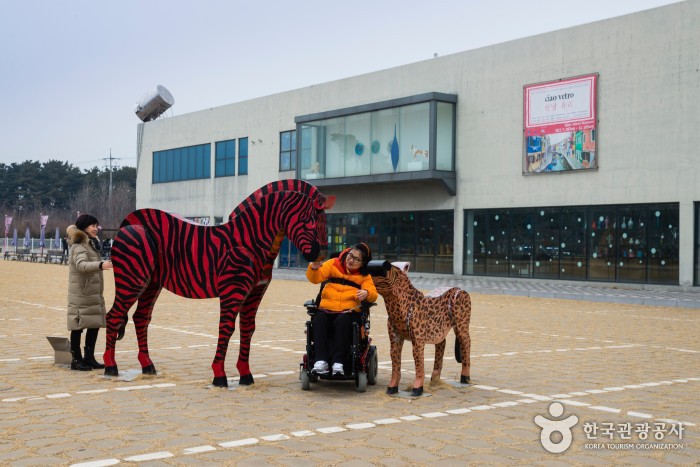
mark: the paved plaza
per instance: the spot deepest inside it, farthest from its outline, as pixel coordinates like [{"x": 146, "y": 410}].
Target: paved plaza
[{"x": 614, "y": 380}]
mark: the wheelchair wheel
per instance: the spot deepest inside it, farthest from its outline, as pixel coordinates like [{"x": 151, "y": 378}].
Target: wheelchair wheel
[
  {"x": 305, "y": 380},
  {"x": 361, "y": 381},
  {"x": 372, "y": 366}
]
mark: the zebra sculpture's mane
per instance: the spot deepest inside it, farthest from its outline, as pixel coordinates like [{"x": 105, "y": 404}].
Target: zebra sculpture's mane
[
  {"x": 281, "y": 187},
  {"x": 295, "y": 186}
]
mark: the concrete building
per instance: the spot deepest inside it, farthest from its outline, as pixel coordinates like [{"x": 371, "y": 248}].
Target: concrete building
[{"x": 568, "y": 155}]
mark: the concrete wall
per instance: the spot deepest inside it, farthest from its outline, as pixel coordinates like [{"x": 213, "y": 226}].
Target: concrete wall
[{"x": 648, "y": 112}]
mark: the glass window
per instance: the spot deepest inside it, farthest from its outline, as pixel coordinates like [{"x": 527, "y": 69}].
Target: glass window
[
  {"x": 572, "y": 237},
  {"x": 444, "y": 139},
  {"x": 288, "y": 150},
  {"x": 414, "y": 138},
  {"x": 602, "y": 248},
  {"x": 336, "y": 143},
  {"x": 547, "y": 243},
  {"x": 522, "y": 234},
  {"x": 662, "y": 252},
  {"x": 383, "y": 124},
  {"x": 357, "y": 145},
  {"x": 225, "y": 158},
  {"x": 423, "y": 238},
  {"x": 631, "y": 244},
  {"x": 242, "y": 156},
  {"x": 600, "y": 243},
  {"x": 475, "y": 242},
  {"x": 497, "y": 244},
  {"x": 156, "y": 167},
  {"x": 186, "y": 163}
]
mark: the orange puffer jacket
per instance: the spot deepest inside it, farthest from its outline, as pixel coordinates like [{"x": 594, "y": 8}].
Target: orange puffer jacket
[{"x": 340, "y": 297}]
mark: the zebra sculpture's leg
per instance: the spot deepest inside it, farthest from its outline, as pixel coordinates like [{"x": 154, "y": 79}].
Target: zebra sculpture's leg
[
  {"x": 142, "y": 318},
  {"x": 247, "y": 327},
  {"x": 134, "y": 265},
  {"x": 227, "y": 324}
]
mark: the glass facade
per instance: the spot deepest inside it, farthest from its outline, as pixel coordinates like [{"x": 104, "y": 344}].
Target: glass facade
[
  {"x": 386, "y": 139},
  {"x": 633, "y": 244},
  {"x": 179, "y": 164},
  {"x": 225, "y": 158},
  {"x": 422, "y": 237}
]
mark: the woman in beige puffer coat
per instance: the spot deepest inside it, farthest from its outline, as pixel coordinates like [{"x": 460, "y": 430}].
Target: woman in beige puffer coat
[{"x": 86, "y": 304}]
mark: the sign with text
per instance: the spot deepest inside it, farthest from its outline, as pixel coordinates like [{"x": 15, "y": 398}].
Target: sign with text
[{"x": 560, "y": 125}]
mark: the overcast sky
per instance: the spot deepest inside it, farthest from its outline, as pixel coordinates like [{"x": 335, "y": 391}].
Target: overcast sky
[{"x": 73, "y": 70}]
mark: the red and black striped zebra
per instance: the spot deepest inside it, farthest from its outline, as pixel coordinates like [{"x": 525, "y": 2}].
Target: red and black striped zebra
[{"x": 154, "y": 250}]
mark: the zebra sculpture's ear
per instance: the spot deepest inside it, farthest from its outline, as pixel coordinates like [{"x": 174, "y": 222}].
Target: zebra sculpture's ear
[{"x": 324, "y": 202}]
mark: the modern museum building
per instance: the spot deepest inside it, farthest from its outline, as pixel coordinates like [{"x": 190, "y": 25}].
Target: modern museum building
[{"x": 562, "y": 156}]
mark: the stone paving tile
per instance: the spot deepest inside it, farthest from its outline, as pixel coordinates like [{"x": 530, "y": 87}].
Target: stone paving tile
[{"x": 524, "y": 348}]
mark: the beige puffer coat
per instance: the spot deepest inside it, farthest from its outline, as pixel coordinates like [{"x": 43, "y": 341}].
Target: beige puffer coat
[{"x": 86, "y": 303}]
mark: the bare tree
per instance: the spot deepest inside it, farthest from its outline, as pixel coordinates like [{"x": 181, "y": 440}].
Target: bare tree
[
  {"x": 95, "y": 199},
  {"x": 123, "y": 202}
]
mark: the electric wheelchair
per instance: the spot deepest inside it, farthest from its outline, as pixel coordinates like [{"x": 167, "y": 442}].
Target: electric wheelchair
[{"x": 361, "y": 359}]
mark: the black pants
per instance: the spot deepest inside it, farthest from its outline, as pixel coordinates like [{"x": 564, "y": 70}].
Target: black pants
[
  {"x": 90, "y": 339},
  {"x": 332, "y": 334}
]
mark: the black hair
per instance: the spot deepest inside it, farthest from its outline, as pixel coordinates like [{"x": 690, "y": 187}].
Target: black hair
[
  {"x": 85, "y": 220},
  {"x": 366, "y": 252}
]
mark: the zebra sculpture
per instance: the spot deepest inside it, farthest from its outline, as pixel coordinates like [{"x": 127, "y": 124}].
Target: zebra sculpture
[{"x": 154, "y": 249}]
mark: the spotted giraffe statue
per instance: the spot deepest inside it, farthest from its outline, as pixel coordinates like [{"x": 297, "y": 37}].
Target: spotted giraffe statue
[{"x": 423, "y": 319}]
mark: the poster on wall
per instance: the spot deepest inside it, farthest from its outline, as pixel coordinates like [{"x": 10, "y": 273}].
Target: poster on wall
[{"x": 560, "y": 125}]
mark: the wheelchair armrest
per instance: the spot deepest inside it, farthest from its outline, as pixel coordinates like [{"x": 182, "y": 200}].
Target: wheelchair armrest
[
  {"x": 310, "y": 306},
  {"x": 365, "y": 307}
]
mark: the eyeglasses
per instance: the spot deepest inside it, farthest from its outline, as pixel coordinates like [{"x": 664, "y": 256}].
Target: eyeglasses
[{"x": 354, "y": 258}]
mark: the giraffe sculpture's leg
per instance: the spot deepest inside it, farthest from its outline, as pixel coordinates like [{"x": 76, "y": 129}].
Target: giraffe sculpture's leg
[
  {"x": 396, "y": 347},
  {"x": 437, "y": 365}
]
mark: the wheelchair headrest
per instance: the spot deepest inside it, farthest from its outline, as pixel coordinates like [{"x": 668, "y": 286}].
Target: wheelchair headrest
[{"x": 378, "y": 267}]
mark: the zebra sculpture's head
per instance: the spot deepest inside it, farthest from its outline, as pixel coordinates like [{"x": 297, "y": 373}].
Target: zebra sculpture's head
[
  {"x": 291, "y": 208},
  {"x": 306, "y": 227}
]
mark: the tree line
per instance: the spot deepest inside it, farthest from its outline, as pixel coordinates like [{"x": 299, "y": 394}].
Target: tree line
[{"x": 61, "y": 190}]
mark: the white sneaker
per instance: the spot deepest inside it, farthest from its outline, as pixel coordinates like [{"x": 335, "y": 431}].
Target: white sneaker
[
  {"x": 320, "y": 368},
  {"x": 338, "y": 369}
]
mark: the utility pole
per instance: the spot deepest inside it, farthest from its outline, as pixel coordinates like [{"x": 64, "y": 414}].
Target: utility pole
[{"x": 109, "y": 199}]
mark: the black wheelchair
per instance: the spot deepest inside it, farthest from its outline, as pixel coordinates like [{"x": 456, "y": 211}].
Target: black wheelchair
[{"x": 361, "y": 361}]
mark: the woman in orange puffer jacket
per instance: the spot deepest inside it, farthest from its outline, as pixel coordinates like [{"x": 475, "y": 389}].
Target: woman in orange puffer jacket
[{"x": 347, "y": 285}]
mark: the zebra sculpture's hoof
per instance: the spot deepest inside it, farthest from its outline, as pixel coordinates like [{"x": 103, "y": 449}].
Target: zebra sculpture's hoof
[
  {"x": 220, "y": 382},
  {"x": 465, "y": 380},
  {"x": 149, "y": 370},
  {"x": 392, "y": 390},
  {"x": 111, "y": 371},
  {"x": 417, "y": 391},
  {"x": 245, "y": 380}
]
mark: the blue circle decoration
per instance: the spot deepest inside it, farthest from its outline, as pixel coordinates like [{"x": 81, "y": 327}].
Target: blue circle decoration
[
  {"x": 359, "y": 148},
  {"x": 375, "y": 146}
]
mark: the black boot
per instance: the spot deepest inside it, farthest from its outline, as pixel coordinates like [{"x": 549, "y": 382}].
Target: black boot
[
  {"x": 89, "y": 359},
  {"x": 77, "y": 363}
]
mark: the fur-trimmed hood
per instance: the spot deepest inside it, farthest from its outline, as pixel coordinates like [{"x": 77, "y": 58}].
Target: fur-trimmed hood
[{"x": 75, "y": 235}]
